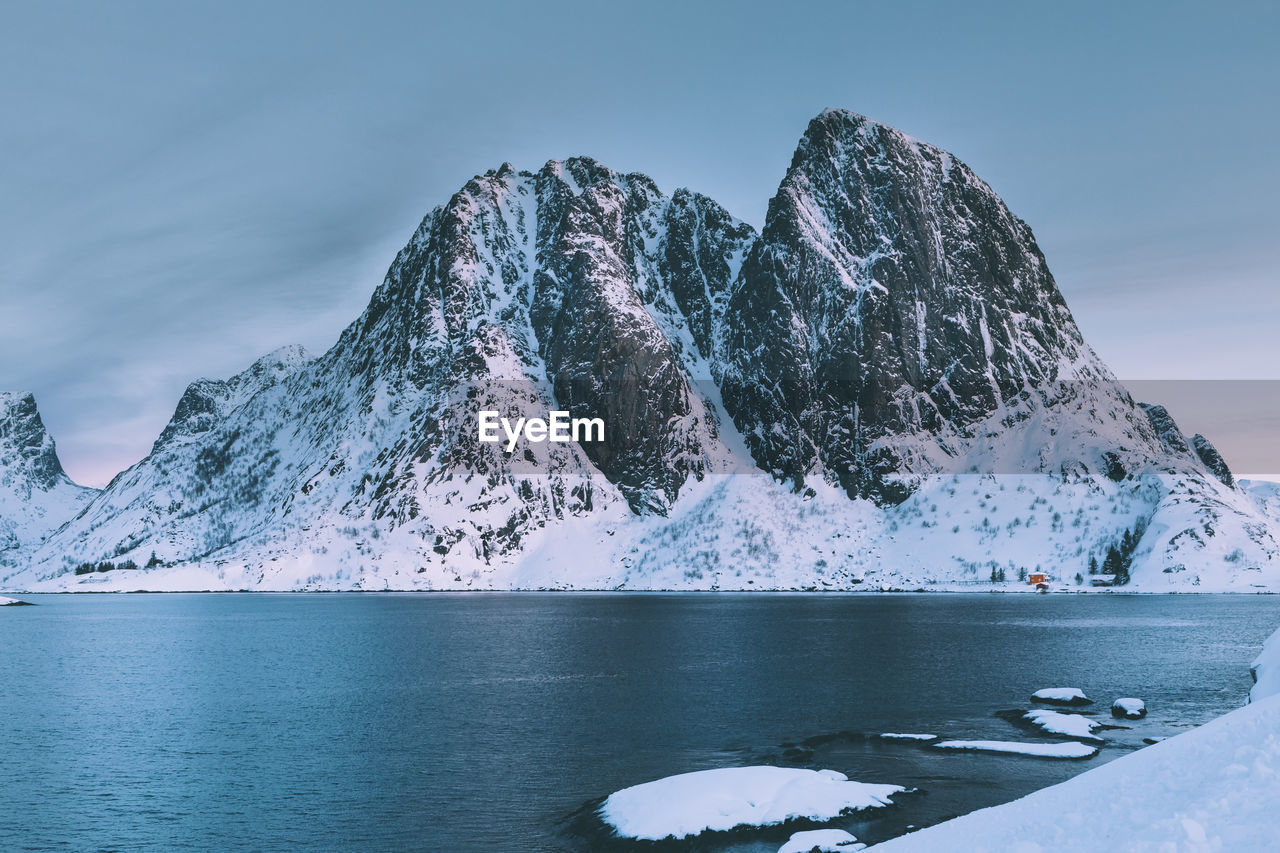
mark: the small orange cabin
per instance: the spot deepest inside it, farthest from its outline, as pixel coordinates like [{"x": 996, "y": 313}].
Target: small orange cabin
[{"x": 1038, "y": 577}]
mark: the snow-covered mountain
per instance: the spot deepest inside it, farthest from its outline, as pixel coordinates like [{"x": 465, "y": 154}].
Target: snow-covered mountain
[
  {"x": 883, "y": 388},
  {"x": 36, "y": 495}
]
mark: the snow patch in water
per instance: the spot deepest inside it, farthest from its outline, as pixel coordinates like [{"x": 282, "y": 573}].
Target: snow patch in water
[
  {"x": 1061, "y": 696},
  {"x": 722, "y": 799},
  {"x": 1066, "y": 749},
  {"x": 1058, "y": 723},
  {"x": 823, "y": 841}
]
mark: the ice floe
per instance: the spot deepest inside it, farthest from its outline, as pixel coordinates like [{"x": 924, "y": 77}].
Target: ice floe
[
  {"x": 1064, "y": 749},
  {"x": 713, "y": 800},
  {"x": 907, "y": 736},
  {"x": 1058, "y": 723}
]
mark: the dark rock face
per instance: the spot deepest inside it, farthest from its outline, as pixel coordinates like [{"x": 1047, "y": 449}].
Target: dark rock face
[
  {"x": 1166, "y": 429},
  {"x": 892, "y": 293},
  {"x": 700, "y": 241},
  {"x": 605, "y": 354},
  {"x": 1175, "y": 442},
  {"x": 1212, "y": 459}
]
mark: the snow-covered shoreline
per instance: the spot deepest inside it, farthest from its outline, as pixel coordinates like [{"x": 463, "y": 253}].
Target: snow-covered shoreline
[
  {"x": 1265, "y": 669},
  {"x": 1212, "y": 788},
  {"x": 832, "y": 545},
  {"x": 129, "y": 589}
]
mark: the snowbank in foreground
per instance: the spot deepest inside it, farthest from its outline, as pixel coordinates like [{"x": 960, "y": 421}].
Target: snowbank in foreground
[
  {"x": 822, "y": 840},
  {"x": 1066, "y": 749},
  {"x": 1212, "y": 788},
  {"x": 1266, "y": 670},
  {"x": 710, "y": 800}
]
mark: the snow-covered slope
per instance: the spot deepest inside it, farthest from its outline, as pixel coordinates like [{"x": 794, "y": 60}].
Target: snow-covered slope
[
  {"x": 882, "y": 389},
  {"x": 36, "y": 495},
  {"x": 1266, "y": 670}
]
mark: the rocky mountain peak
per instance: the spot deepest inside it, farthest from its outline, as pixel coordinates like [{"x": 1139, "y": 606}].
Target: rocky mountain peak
[
  {"x": 1175, "y": 442},
  {"x": 36, "y": 495},
  {"x": 26, "y": 449},
  {"x": 892, "y": 298},
  {"x": 207, "y": 402},
  {"x": 1212, "y": 459}
]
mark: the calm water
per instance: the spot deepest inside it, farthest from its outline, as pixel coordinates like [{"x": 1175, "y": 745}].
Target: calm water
[{"x": 497, "y": 722}]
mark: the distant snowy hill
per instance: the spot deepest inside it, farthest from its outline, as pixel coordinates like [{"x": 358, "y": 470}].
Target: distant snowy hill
[
  {"x": 883, "y": 389},
  {"x": 36, "y": 495}
]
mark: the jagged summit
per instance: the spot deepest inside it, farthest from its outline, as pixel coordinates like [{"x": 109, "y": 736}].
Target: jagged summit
[
  {"x": 835, "y": 128},
  {"x": 206, "y": 402},
  {"x": 1197, "y": 447},
  {"x": 26, "y": 448},
  {"x": 898, "y": 300},
  {"x": 825, "y": 403},
  {"x": 284, "y": 359},
  {"x": 1212, "y": 459},
  {"x": 36, "y": 495}
]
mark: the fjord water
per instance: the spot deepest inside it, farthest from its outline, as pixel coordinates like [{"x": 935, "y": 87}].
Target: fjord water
[{"x": 459, "y": 722}]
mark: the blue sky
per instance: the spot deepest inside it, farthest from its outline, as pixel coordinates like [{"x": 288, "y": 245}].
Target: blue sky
[{"x": 185, "y": 189}]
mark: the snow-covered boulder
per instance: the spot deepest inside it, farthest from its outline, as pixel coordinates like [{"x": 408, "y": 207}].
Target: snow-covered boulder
[
  {"x": 1129, "y": 708},
  {"x": 717, "y": 800},
  {"x": 1266, "y": 670},
  {"x": 1061, "y": 696},
  {"x": 1066, "y": 749},
  {"x": 1058, "y": 723},
  {"x": 821, "y": 841},
  {"x": 11, "y": 602}
]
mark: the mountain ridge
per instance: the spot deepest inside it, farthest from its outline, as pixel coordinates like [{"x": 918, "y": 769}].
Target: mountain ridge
[{"x": 889, "y": 346}]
